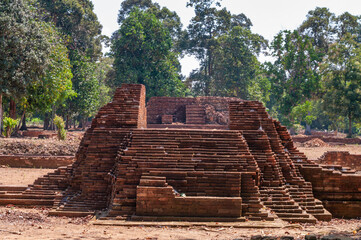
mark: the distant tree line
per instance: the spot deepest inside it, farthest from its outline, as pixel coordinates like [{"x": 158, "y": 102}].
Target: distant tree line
[{"x": 51, "y": 61}]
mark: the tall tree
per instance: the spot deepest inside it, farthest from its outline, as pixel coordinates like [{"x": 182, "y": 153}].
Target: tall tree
[
  {"x": 342, "y": 78},
  {"x": 55, "y": 85},
  {"x": 77, "y": 20},
  {"x": 319, "y": 27},
  {"x": 294, "y": 74},
  {"x": 24, "y": 48},
  {"x": 142, "y": 54},
  {"x": 169, "y": 18},
  {"x": 211, "y": 35}
]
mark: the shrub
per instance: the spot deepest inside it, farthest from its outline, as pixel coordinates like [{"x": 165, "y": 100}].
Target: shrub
[
  {"x": 59, "y": 123},
  {"x": 36, "y": 121},
  {"x": 9, "y": 125}
]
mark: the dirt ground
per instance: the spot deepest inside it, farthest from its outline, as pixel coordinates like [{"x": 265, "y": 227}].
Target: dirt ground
[
  {"x": 21, "y": 176},
  {"x": 35, "y": 224},
  {"x": 44, "y": 147}
]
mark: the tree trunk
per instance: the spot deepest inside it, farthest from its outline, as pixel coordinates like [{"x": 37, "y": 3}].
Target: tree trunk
[
  {"x": 46, "y": 121},
  {"x": 308, "y": 130},
  {"x": 292, "y": 131},
  {"x": 52, "y": 125},
  {"x": 12, "y": 112},
  {"x": 1, "y": 113},
  {"x": 67, "y": 122},
  {"x": 349, "y": 135},
  {"x": 80, "y": 122},
  {"x": 24, "y": 127}
]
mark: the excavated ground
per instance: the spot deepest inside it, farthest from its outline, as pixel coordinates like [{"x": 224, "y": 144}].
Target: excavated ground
[{"x": 42, "y": 147}]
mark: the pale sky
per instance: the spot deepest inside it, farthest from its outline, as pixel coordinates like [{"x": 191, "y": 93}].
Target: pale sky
[{"x": 268, "y": 16}]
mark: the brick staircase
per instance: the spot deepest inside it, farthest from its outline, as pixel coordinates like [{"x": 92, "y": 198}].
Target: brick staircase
[
  {"x": 195, "y": 114},
  {"x": 194, "y": 162},
  {"x": 267, "y": 141},
  {"x": 41, "y": 193}
]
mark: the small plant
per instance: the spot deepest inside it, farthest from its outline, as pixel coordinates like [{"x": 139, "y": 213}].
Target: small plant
[
  {"x": 9, "y": 125},
  {"x": 60, "y": 125}
]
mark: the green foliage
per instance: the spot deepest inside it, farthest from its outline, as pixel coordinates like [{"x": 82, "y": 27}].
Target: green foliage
[
  {"x": 9, "y": 126},
  {"x": 24, "y": 47},
  {"x": 342, "y": 79},
  {"x": 319, "y": 28},
  {"x": 59, "y": 123},
  {"x": 303, "y": 112},
  {"x": 142, "y": 54},
  {"x": 76, "y": 20},
  {"x": 169, "y": 19},
  {"x": 56, "y": 85},
  {"x": 294, "y": 77},
  {"x": 226, "y": 48},
  {"x": 36, "y": 121}
]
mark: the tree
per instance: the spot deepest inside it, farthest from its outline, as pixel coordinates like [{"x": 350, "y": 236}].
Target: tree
[
  {"x": 76, "y": 20},
  {"x": 304, "y": 113},
  {"x": 24, "y": 49},
  {"x": 342, "y": 79},
  {"x": 294, "y": 75},
  {"x": 225, "y": 47},
  {"x": 319, "y": 28},
  {"x": 169, "y": 19},
  {"x": 142, "y": 54},
  {"x": 55, "y": 85},
  {"x": 86, "y": 86}
]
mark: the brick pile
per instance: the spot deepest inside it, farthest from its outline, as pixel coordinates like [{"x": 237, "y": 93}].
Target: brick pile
[{"x": 341, "y": 158}]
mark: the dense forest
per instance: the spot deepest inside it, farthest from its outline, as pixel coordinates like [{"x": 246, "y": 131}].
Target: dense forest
[{"x": 51, "y": 61}]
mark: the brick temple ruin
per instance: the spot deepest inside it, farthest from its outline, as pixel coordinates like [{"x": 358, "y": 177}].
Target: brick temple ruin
[{"x": 191, "y": 164}]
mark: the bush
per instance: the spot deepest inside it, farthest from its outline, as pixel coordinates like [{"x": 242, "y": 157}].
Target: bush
[
  {"x": 9, "y": 125},
  {"x": 60, "y": 125},
  {"x": 36, "y": 121}
]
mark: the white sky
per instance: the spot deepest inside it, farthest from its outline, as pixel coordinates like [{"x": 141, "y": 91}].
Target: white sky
[{"x": 268, "y": 16}]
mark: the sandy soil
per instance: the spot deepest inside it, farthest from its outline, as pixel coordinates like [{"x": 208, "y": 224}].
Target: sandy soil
[
  {"x": 314, "y": 153},
  {"x": 21, "y": 176}
]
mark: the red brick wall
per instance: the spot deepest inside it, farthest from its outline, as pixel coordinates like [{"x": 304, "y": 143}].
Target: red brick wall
[{"x": 156, "y": 198}]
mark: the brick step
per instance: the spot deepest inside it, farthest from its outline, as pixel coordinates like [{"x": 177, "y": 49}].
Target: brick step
[
  {"x": 315, "y": 211},
  {"x": 280, "y": 207},
  {"x": 292, "y": 215},
  {"x": 187, "y": 219},
  {"x": 12, "y": 188},
  {"x": 311, "y": 219},
  {"x": 296, "y": 210},
  {"x": 280, "y": 203},
  {"x": 27, "y": 196},
  {"x": 278, "y": 199},
  {"x": 71, "y": 213},
  {"x": 26, "y": 202}
]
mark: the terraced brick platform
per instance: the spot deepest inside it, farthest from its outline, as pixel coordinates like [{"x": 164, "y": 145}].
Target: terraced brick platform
[{"x": 251, "y": 170}]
